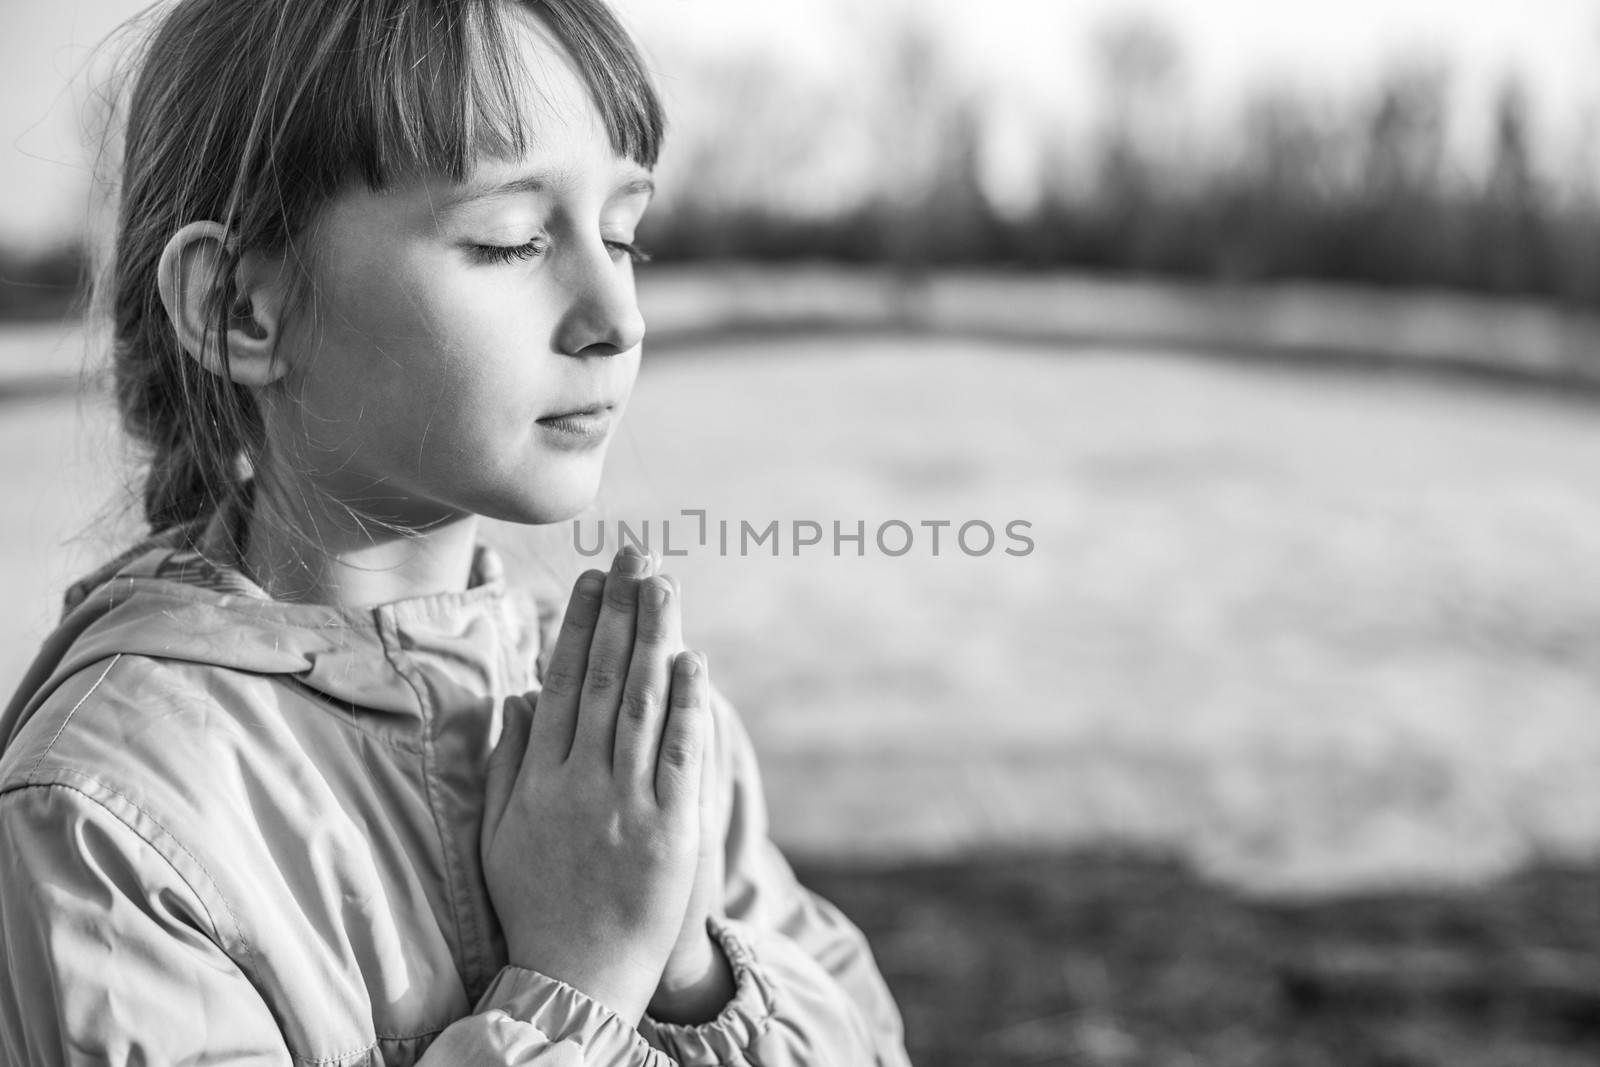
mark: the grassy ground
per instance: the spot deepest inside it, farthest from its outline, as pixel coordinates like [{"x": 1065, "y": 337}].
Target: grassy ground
[
  {"x": 1098, "y": 959},
  {"x": 1283, "y": 322}
]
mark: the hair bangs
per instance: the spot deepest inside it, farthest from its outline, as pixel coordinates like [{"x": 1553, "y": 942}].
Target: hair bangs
[
  {"x": 441, "y": 85},
  {"x": 614, "y": 72}
]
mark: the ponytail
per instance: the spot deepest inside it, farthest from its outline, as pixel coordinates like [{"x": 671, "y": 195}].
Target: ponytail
[
  {"x": 201, "y": 433},
  {"x": 160, "y": 393}
]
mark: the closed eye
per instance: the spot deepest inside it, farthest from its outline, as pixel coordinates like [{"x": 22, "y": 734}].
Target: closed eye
[
  {"x": 629, "y": 249},
  {"x": 507, "y": 253},
  {"x": 537, "y": 247}
]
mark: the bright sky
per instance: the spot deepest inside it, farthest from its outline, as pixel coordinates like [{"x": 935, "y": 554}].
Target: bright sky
[{"x": 1031, "y": 51}]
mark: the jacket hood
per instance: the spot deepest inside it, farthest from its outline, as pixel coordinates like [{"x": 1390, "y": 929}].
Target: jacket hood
[{"x": 181, "y": 596}]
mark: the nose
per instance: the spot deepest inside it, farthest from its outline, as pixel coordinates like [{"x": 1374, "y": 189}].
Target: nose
[{"x": 602, "y": 318}]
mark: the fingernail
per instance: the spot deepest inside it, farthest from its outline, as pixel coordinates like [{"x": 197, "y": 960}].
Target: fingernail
[
  {"x": 630, "y": 563},
  {"x": 655, "y": 594},
  {"x": 688, "y": 666}
]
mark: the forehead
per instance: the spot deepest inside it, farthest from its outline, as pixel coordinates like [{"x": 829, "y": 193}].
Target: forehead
[
  {"x": 566, "y": 140},
  {"x": 551, "y": 96},
  {"x": 488, "y": 80},
  {"x": 524, "y": 90}
]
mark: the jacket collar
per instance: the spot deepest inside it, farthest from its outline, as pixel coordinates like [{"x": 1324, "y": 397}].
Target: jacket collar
[{"x": 181, "y": 596}]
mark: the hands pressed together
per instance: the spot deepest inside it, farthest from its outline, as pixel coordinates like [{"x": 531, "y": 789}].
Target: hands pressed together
[{"x": 601, "y": 854}]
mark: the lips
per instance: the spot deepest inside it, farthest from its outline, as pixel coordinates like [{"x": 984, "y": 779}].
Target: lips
[
  {"x": 586, "y": 409},
  {"x": 578, "y": 427}
]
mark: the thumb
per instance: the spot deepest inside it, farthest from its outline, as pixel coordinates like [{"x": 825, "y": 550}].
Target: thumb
[{"x": 516, "y": 722}]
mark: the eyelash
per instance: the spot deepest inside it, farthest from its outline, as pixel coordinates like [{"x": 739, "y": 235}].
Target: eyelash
[{"x": 536, "y": 248}]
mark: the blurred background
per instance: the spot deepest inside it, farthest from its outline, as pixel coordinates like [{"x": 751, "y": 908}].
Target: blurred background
[{"x": 1277, "y": 324}]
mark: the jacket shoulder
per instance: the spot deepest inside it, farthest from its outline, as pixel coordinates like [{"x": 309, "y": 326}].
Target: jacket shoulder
[
  {"x": 117, "y": 738},
  {"x": 134, "y": 724}
]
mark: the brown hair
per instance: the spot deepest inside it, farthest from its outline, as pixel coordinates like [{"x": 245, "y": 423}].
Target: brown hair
[{"x": 253, "y": 113}]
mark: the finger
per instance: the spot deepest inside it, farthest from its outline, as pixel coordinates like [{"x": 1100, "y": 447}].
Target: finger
[
  {"x": 677, "y": 591},
  {"x": 708, "y": 766},
  {"x": 609, "y": 652},
  {"x": 715, "y": 801},
  {"x": 562, "y": 686},
  {"x": 643, "y": 709},
  {"x": 677, "y": 600},
  {"x": 505, "y": 760},
  {"x": 683, "y": 740},
  {"x": 712, "y": 826}
]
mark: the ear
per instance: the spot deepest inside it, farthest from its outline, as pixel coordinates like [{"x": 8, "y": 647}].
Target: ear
[{"x": 191, "y": 286}]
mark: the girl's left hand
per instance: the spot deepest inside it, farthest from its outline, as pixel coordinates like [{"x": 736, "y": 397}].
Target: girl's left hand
[{"x": 697, "y": 981}]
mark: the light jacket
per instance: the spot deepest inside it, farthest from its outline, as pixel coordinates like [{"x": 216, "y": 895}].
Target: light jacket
[{"x": 235, "y": 830}]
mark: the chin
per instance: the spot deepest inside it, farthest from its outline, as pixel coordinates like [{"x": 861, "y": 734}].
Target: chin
[{"x": 550, "y": 501}]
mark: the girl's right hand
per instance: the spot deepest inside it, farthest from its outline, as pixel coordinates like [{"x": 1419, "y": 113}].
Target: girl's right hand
[{"x": 591, "y": 815}]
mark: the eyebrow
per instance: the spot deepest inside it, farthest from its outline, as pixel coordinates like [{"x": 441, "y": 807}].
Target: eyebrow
[{"x": 537, "y": 183}]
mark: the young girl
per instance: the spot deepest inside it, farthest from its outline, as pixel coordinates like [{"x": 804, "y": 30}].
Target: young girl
[{"x": 300, "y": 780}]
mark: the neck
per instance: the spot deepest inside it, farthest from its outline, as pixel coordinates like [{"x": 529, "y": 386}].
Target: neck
[{"x": 302, "y": 547}]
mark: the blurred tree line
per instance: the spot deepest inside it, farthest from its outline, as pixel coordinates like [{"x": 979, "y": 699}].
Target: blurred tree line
[
  {"x": 1364, "y": 190},
  {"x": 886, "y": 163},
  {"x": 41, "y": 284}
]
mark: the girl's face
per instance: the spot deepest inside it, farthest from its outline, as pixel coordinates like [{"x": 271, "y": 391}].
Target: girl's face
[{"x": 451, "y": 331}]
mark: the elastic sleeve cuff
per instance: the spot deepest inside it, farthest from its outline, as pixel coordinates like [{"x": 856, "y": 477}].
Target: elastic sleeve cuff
[
  {"x": 565, "y": 1015},
  {"x": 736, "y": 1029}
]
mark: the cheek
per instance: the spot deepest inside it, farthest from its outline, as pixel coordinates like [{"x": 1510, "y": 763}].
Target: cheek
[
  {"x": 429, "y": 365},
  {"x": 474, "y": 317},
  {"x": 370, "y": 304},
  {"x": 368, "y": 363},
  {"x": 407, "y": 325}
]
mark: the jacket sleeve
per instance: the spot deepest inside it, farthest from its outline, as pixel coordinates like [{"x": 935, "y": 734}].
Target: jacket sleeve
[
  {"x": 109, "y": 956},
  {"x": 807, "y": 989},
  {"x": 106, "y": 949}
]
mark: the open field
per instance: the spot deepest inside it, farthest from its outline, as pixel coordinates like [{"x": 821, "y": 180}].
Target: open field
[{"x": 1309, "y": 628}]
